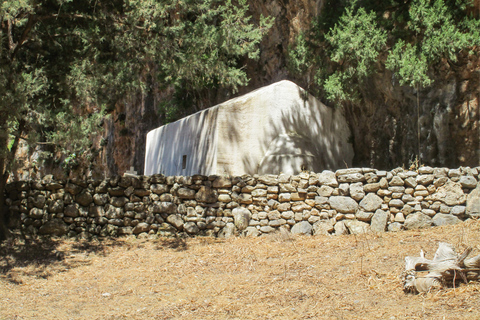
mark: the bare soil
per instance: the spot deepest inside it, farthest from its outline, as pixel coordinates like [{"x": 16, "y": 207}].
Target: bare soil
[{"x": 273, "y": 277}]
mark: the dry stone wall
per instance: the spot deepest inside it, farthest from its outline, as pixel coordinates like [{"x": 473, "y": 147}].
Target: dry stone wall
[{"x": 353, "y": 200}]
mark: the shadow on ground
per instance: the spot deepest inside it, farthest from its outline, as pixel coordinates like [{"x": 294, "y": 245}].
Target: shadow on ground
[{"x": 46, "y": 257}]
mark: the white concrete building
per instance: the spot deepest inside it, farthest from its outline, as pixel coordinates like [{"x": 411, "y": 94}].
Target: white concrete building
[{"x": 275, "y": 129}]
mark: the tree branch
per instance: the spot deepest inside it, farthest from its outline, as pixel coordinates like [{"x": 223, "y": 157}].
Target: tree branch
[{"x": 24, "y": 36}]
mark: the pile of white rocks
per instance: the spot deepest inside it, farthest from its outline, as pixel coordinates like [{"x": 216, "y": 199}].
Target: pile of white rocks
[{"x": 355, "y": 200}]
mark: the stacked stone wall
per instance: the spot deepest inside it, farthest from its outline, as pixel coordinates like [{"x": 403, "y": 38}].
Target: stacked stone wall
[{"x": 352, "y": 200}]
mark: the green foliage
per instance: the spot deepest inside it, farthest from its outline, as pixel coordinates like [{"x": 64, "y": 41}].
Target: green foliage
[
  {"x": 358, "y": 38},
  {"x": 64, "y": 62},
  {"x": 356, "y": 41}
]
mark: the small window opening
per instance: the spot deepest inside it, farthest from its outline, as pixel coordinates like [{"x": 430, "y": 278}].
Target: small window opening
[{"x": 184, "y": 162}]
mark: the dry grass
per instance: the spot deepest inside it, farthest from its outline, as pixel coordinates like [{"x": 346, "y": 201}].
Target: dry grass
[{"x": 273, "y": 277}]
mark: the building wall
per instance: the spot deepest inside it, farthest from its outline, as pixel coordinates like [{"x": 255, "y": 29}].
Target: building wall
[
  {"x": 185, "y": 147},
  {"x": 354, "y": 200},
  {"x": 274, "y": 129}
]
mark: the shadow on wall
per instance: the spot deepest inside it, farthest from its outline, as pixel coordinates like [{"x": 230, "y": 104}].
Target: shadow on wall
[
  {"x": 306, "y": 136},
  {"x": 185, "y": 147}
]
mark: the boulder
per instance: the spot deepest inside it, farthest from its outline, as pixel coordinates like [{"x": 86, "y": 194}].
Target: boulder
[
  {"x": 379, "y": 221},
  {"x": 54, "y": 227},
  {"x": 241, "y": 217},
  {"x": 141, "y": 227},
  {"x": 191, "y": 228},
  {"x": 417, "y": 220},
  {"x": 343, "y": 204},
  {"x": 176, "y": 221},
  {"x": 84, "y": 198},
  {"x": 441, "y": 219},
  {"x": 450, "y": 193},
  {"x": 303, "y": 227},
  {"x": 324, "y": 227},
  {"x": 357, "y": 227},
  {"x": 228, "y": 231},
  {"x": 371, "y": 202}
]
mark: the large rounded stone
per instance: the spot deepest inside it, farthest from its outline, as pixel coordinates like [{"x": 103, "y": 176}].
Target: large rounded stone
[
  {"x": 54, "y": 227},
  {"x": 175, "y": 220},
  {"x": 227, "y": 231},
  {"x": 84, "y": 198},
  {"x": 303, "y": 227},
  {"x": 191, "y": 227},
  {"x": 357, "y": 227},
  {"x": 371, "y": 202},
  {"x": 141, "y": 227},
  {"x": 241, "y": 217},
  {"x": 71, "y": 211},
  {"x": 442, "y": 219},
  {"x": 356, "y": 191},
  {"x": 324, "y": 227},
  {"x": 417, "y": 221},
  {"x": 343, "y": 204}
]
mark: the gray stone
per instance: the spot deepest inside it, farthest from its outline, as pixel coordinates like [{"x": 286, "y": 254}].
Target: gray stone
[
  {"x": 176, "y": 221},
  {"x": 371, "y": 187},
  {"x": 357, "y": 227},
  {"x": 159, "y": 188},
  {"x": 100, "y": 199},
  {"x": 441, "y": 219},
  {"x": 56, "y": 206},
  {"x": 340, "y": 228},
  {"x": 458, "y": 210},
  {"x": 191, "y": 227},
  {"x": 112, "y": 212},
  {"x": 54, "y": 227},
  {"x": 72, "y": 188},
  {"x": 468, "y": 182},
  {"x": 228, "y": 231},
  {"x": 396, "y": 181},
  {"x": 241, "y": 217},
  {"x": 251, "y": 232},
  {"x": 207, "y": 195},
  {"x": 323, "y": 227},
  {"x": 428, "y": 212},
  {"x": 303, "y": 227},
  {"x": 118, "y": 201},
  {"x": 186, "y": 193},
  {"x": 425, "y": 179},
  {"x": 363, "y": 215},
  {"x": 473, "y": 203},
  {"x": 350, "y": 178},
  {"x": 325, "y": 191},
  {"x": 328, "y": 178},
  {"x": 267, "y": 229},
  {"x": 222, "y": 182},
  {"x": 343, "y": 204},
  {"x": 417, "y": 220},
  {"x": 141, "y": 227},
  {"x": 411, "y": 182},
  {"x": 371, "y": 202},
  {"x": 356, "y": 191},
  {"x": 450, "y": 193},
  {"x": 268, "y": 179},
  {"x": 84, "y": 198},
  {"x": 395, "y": 227},
  {"x": 379, "y": 221},
  {"x": 425, "y": 170},
  {"x": 71, "y": 211},
  {"x": 397, "y": 203}
]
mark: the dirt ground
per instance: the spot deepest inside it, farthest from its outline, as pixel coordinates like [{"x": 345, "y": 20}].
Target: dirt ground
[{"x": 272, "y": 277}]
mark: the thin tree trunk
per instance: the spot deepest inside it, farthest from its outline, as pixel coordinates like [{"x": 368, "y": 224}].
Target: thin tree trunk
[{"x": 6, "y": 166}]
